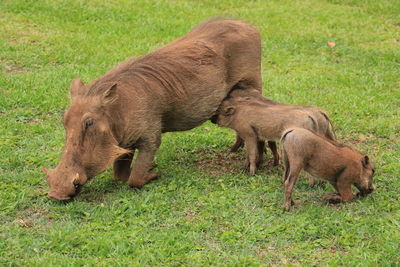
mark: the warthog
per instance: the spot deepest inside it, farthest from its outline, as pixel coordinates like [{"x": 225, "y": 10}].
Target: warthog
[
  {"x": 174, "y": 88},
  {"x": 336, "y": 163},
  {"x": 256, "y": 119}
]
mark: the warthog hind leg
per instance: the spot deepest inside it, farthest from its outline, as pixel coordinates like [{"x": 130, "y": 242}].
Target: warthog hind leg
[
  {"x": 290, "y": 181},
  {"x": 274, "y": 150}
]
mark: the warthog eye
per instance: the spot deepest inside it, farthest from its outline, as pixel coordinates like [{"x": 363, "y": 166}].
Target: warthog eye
[
  {"x": 88, "y": 122},
  {"x": 373, "y": 171}
]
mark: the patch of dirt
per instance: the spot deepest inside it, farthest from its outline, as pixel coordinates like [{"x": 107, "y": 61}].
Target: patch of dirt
[
  {"x": 14, "y": 69},
  {"x": 12, "y": 41},
  {"x": 222, "y": 163},
  {"x": 357, "y": 139},
  {"x": 219, "y": 163},
  {"x": 91, "y": 195},
  {"x": 25, "y": 223},
  {"x": 36, "y": 121},
  {"x": 95, "y": 195},
  {"x": 30, "y": 217},
  {"x": 263, "y": 253},
  {"x": 335, "y": 250},
  {"x": 190, "y": 215}
]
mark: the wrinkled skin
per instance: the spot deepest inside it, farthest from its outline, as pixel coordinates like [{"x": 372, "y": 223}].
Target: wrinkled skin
[
  {"x": 340, "y": 165},
  {"x": 175, "y": 88}
]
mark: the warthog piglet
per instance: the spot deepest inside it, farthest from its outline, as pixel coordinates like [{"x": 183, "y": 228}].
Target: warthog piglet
[{"x": 328, "y": 160}]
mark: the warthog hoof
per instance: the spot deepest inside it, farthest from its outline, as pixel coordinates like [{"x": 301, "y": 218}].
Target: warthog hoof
[
  {"x": 288, "y": 205},
  {"x": 139, "y": 183},
  {"x": 333, "y": 198}
]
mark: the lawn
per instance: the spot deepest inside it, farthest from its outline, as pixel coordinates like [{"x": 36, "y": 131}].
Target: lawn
[{"x": 205, "y": 209}]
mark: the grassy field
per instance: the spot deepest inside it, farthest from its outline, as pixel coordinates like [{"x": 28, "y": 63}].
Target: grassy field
[{"x": 204, "y": 210}]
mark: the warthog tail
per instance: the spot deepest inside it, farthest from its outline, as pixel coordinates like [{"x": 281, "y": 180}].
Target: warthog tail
[{"x": 330, "y": 133}]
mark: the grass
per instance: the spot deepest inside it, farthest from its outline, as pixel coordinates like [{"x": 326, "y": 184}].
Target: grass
[{"x": 204, "y": 210}]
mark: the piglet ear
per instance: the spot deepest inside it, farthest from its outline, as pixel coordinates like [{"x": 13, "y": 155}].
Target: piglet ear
[
  {"x": 228, "y": 111},
  {"x": 110, "y": 95},
  {"x": 77, "y": 86},
  {"x": 365, "y": 161}
]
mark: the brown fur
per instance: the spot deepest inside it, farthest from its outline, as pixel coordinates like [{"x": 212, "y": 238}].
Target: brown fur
[
  {"x": 242, "y": 95},
  {"x": 174, "y": 88},
  {"x": 258, "y": 117},
  {"x": 326, "y": 159}
]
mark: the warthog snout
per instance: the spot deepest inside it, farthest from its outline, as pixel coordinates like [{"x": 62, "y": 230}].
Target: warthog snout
[
  {"x": 63, "y": 186},
  {"x": 58, "y": 196},
  {"x": 366, "y": 191}
]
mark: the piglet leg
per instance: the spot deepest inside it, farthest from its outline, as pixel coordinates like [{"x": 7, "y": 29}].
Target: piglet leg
[
  {"x": 252, "y": 153},
  {"x": 260, "y": 156},
  {"x": 344, "y": 193},
  {"x": 238, "y": 144},
  {"x": 274, "y": 150},
  {"x": 290, "y": 181}
]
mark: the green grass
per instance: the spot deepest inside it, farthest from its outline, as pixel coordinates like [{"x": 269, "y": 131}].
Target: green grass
[{"x": 204, "y": 210}]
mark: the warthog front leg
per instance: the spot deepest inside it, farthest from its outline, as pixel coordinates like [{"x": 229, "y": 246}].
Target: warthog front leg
[
  {"x": 344, "y": 193},
  {"x": 122, "y": 166},
  {"x": 141, "y": 174}
]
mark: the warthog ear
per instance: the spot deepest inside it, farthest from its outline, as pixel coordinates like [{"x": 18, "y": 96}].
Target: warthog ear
[
  {"x": 77, "y": 86},
  {"x": 228, "y": 111},
  {"x": 365, "y": 161},
  {"x": 110, "y": 95}
]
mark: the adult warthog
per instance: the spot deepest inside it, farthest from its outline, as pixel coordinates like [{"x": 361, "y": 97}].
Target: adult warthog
[{"x": 174, "y": 88}]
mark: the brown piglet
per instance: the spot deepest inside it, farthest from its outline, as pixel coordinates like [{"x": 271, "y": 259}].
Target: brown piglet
[{"x": 328, "y": 160}]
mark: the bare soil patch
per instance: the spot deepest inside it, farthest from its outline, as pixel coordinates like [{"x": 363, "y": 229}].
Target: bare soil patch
[
  {"x": 14, "y": 69},
  {"x": 221, "y": 163},
  {"x": 34, "y": 217}
]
